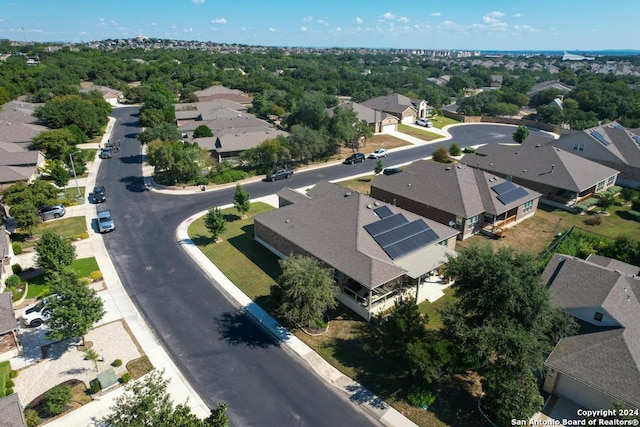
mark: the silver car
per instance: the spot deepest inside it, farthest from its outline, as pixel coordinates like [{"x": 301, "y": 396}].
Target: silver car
[
  {"x": 51, "y": 212},
  {"x": 105, "y": 222}
]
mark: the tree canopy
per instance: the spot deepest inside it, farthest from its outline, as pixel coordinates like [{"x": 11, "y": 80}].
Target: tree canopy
[
  {"x": 54, "y": 253},
  {"x": 215, "y": 222},
  {"x": 241, "y": 200}
]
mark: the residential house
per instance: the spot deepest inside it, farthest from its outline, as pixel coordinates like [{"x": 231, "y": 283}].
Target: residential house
[
  {"x": 496, "y": 81},
  {"x": 564, "y": 179},
  {"x": 9, "y": 341},
  {"x": 11, "y": 412},
  {"x": 19, "y": 166},
  {"x": 228, "y": 143},
  {"x": 379, "y": 121},
  {"x": 611, "y": 145},
  {"x": 379, "y": 253},
  {"x": 194, "y": 110},
  {"x": 213, "y": 93},
  {"x": 600, "y": 365},
  {"x": 552, "y": 84},
  {"x": 398, "y": 105},
  {"x": 460, "y": 196},
  {"x": 112, "y": 96},
  {"x": 237, "y": 122}
]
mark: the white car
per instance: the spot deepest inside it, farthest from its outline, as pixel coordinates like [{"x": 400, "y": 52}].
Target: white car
[
  {"x": 424, "y": 122},
  {"x": 33, "y": 315},
  {"x": 380, "y": 152}
]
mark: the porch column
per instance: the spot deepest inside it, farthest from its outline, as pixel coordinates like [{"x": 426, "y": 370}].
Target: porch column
[
  {"x": 369, "y": 306},
  {"x": 575, "y": 201},
  {"x": 418, "y": 287}
]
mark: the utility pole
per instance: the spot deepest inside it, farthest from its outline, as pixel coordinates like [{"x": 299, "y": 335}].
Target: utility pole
[{"x": 73, "y": 168}]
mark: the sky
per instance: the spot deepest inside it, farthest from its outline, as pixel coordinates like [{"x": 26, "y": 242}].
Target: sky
[{"x": 574, "y": 25}]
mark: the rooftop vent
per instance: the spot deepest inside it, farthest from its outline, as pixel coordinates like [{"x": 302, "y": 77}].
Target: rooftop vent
[
  {"x": 538, "y": 145},
  {"x": 448, "y": 168},
  {"x": 377, "y": 203},
  {"x": 347, "y": 194},
  {"x": 369, "y": 206}
]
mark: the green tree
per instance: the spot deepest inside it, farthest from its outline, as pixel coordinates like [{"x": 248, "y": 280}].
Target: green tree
[
  {"x": 74, "y": 309},
  {"x": 267, "y": 155},
  {"x": 56, "y": 401},
  {"x": 90, "y": 115},
  {"x": 510, "y": 393},
  {"x": 379, "y": 167},
  {"x": 54, "y": 144},
  {"x": 215, "y": 223},
  {"x": 54, "y": 253},
  {"x": 202, "y": 131},
  {"x": 307, "y": 144},
  {"x": 454, "y": 149},
  {"x": 165, "y": 132},
  {"x": 59, "y": 173},
  {"x": 520, "y": 134},
  {"x": 606, "y": 201},
  {"x": 441, "y": 155},
  {"x": 26, "y": 214},
  {"x": 310, "y": 111},
  {"x": 241, "y": 200},
  {"x": 305, "y": 290},
  {"x": 147, "y": 403}
]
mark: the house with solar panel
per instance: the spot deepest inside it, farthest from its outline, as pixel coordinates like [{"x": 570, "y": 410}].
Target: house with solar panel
[
  {"x": 380, "y": 254},
  {"x": 611, "y": 145},
  {"x": 564, "y": 179},
  {"x": 468, "y": 199},
  {"x": 600, "y": 365}
]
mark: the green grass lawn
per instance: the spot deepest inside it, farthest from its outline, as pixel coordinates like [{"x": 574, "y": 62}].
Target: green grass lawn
[
  {"x": 5, "y": 368},
  {"x": 433, "y": 309},
  {"x": 71, "y": 192},
  {"x": 83, "y": 267},
  {"x": 418, "y": 133},
  {"x": 442, "y": 121},
  {"x": 249, "y": 265},
  {"x": 68, "y": 228}
]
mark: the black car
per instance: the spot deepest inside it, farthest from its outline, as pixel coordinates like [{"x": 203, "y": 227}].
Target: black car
[
  {"x": 391, "y": 171},
  {"x": 354, "y": 158},
  {"x": 99, "y": 194},
  {"x": 279, "y": 174}
]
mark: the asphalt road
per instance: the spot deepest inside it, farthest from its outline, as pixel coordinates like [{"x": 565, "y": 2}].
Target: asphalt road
[{"x": 218, "y": 348}]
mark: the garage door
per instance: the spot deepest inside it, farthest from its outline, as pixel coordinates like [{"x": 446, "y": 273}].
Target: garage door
[
  {"x": 584, "y": 396},
  {"x": 388, "y": 128}
]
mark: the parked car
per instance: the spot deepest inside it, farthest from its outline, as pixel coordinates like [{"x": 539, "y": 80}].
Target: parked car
[
  {"x": 380, "y": 152},
  {"x": 424, "y": 122},
  {"x": 106, "y": 153},
  {"x": 99, "y": 194},
  {"x": 279, "y": 174},
  {"x": 391, "y": 171},
  {"x": 51, "y": 212},
  {"x": 105, "y": 222},
  {"x": 34, "y": 314},
  {"x": 354, "y": 158}
]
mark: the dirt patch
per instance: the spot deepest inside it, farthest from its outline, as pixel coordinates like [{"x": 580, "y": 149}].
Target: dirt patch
[
  {"x": 79, "y": 397},
  {"x": 373, "y": 143},
  {"x": 138, "y": 367}
]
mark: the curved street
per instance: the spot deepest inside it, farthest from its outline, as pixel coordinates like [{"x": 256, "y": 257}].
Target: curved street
[{"x": 223, "y": 354}]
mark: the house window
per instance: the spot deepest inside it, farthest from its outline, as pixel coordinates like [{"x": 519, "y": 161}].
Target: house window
[
  {"x": 611, "y": 180},
  {"x": 598, "y": 316},
  {"x": 578, "y": 146},
  {"x": 527, "y": 206},
  {"x": 600, "y": 186},
  {"x": 471, "y": 222}
]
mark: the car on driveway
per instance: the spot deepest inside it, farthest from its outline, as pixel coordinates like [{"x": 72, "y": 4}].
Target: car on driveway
[
  {"x": 424, "y": 122},
  {"x": 99, "y": 194},
  {"x": 51, "y": 212},
  {"x": 106, "y": 153},
  {"x": 354, "y": 158},
  {"x": 279, "y": 174},
  {"x": 105, "y": 222},
  {"x": 391, "y": 171},
  {"x": 34, "y": 314},
  {"x": 380, "y": 152}
]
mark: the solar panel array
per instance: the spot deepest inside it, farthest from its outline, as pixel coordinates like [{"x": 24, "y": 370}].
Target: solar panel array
[
  {"x": 636, "y": 138},
  {"x": 597, "y": 135},
  {"x": 618, "y": 126},
  {"x": 508, "y": 192},
  {"x": 383, "y": 212},
  {"x": 398, "y": 237}
]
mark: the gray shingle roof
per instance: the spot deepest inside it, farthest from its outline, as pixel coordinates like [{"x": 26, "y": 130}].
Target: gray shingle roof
[
  {"x": 395, "y": 104},
  {"x": 614, "y": 264},
  {"x": 330, "y": 226},
  {"x": 8, "y": 320},
  {"x": 457, "y": 189},
  {"x": 608, "y": 360},
  {"x": 363, "y": 112},
  {"x": 230, "y": 140},
  {"x": 236, "y": 122},
  {"x": 542, "y": 163},
  {"x": 215, "y": 90},
  {"x": 11, "y": 414}
]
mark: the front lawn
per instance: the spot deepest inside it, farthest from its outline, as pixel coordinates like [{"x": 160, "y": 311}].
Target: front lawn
[
  {"x": 418, "y": 133},
  {"x": 69, "y": 228},
  {"x": 83, "y": 267},
  {"x": 440, "y": 121}
]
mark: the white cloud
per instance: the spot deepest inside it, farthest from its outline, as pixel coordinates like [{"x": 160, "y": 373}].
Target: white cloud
[
  {"x": 272, "y": 30},
  {"x": 448, "y": 23},
  {"x": 518, "y": 15},
  {"x": 197, "y": 1},
  {"x": 388, "y": 16},
  {"x": 219, "y": 21},
  {"x": 303, "y": 28},
  {"x": 320, "y": 21},
  {"x": 525, "y": 28},
  {"x": 496, "y": 14},
  {"x": 359, "y": 20},
  {"x": 153, "y": 24},
  {"x": 403, "y": 19},
  {"x": 188, "y": 30},
  {"x": 436, "y": 14},
  {"x": 307, "y": 19}
]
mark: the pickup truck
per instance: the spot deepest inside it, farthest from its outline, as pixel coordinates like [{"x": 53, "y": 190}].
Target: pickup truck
[{"x": 279, "y": 174}]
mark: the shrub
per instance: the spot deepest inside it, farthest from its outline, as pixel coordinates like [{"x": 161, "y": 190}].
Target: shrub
[
  {"x": 229, "y": 175},
  {"x": 8, "y": 391},
  {"x": 81, "y": 236},
  {"x": 441, "y": 155},
  {"x": 16, "y": 268},
  {"x": 57, "y": 399},
  {"x": 94, "y": 386},
  {"x": 13, "y": 373},
  {"x": 635, "y": 215},
  {"x": 96, "y": 275},
  {"x": 594, "y": 220},
  {"x": 125, "y": 378},
  {"x": 422, "y": 393},
  {"x": 13, "y": 281},
  {"x": 17, "y": 249},
  {"x": 85, "y": 281},
  {"x": 116, "y": 363},
  {"x": 635, "y": 205},
  {"x": 469, "y": 150},
  {"x": 31, "y": 417},
  {"x": 454, "y": 149},
  {"x": 9, "y": 384}
]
